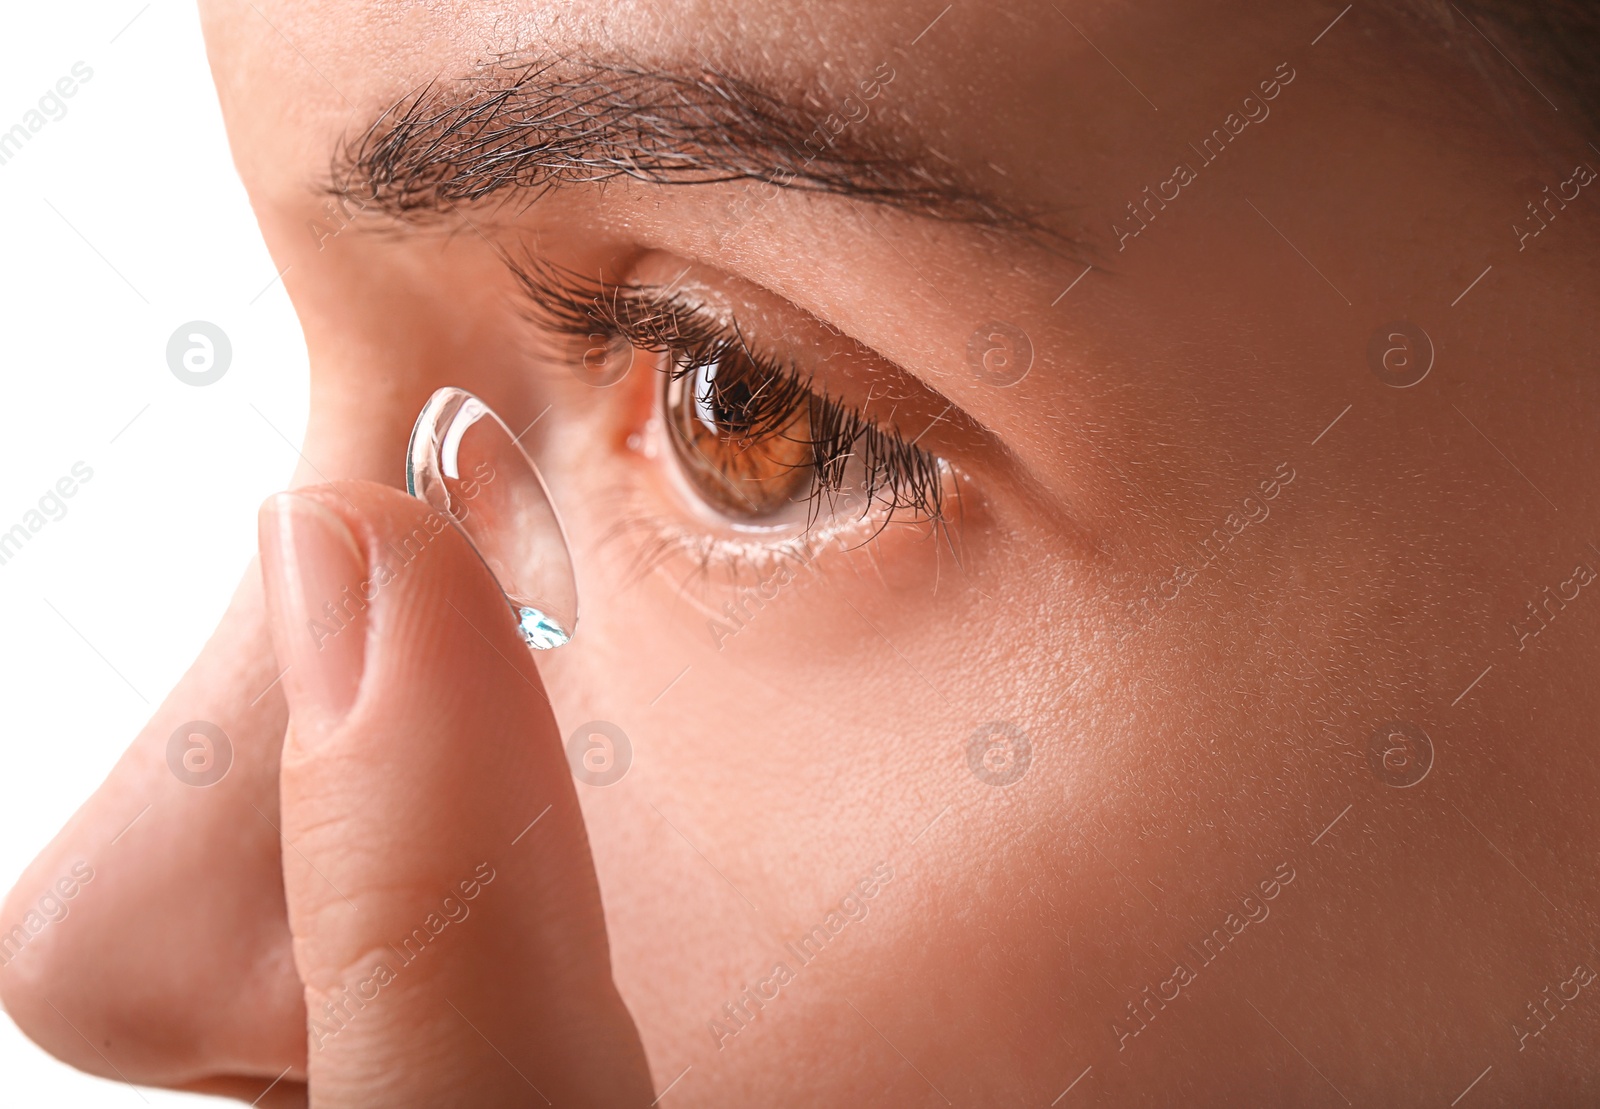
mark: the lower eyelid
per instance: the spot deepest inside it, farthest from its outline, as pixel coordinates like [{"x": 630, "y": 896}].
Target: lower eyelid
[
  {"x": 708, "y": 572},
  {"x": 665, "y": 532}
]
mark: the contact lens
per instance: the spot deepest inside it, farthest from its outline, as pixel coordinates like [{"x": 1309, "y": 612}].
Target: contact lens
[{"x": 465, "y": 462}]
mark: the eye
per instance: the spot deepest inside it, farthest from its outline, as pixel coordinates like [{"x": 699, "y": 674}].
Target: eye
[
  {"x": 754, "y": 437},
  {"x": 744, "y": 441}
]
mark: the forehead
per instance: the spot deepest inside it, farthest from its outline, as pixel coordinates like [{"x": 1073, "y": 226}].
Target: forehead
[{"x": 1018, "y": 89}]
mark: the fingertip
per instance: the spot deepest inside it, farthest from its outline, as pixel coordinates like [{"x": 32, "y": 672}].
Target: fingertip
[{"x": 314, "y": 570}]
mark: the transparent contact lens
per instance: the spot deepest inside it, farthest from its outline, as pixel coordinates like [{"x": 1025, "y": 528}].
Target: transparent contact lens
[{"x": 464, "y": 462}]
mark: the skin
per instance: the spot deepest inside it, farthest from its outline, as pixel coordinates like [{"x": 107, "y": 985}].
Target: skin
[{"x": 1181, "y": 762}]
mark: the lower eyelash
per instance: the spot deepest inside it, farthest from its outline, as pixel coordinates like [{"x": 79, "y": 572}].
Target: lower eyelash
[
  {"x": 704, "y": 566},
  {"x": 700, "y": 565},
  {"x": 897, "y": 476}
]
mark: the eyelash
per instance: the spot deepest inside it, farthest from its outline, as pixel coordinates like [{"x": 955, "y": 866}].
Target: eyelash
[{"x": 899, "y": 477}]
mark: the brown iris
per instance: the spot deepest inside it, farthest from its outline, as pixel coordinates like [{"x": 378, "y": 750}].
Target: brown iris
[{"x": 744, "y": 437}]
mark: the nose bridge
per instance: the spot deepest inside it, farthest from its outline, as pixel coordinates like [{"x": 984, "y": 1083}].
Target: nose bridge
[{"x": 130, "y": 943}]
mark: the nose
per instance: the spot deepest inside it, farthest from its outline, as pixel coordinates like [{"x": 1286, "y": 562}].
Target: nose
[{"x": 149, "y": 942}]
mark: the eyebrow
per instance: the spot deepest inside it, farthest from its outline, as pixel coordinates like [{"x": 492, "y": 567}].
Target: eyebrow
[{"x": 522, "y": 128}]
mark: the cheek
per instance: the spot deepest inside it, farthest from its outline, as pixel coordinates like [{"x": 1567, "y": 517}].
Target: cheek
[
  {"x": 849, "y": 686},
  {"x": 827, "y": 719}
]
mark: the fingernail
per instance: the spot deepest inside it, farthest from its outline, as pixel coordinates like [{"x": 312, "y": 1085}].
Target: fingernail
[{"x": 313, "y": 568}]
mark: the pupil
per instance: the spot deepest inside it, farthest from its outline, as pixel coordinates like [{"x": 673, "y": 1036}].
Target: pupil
[{"x": 741, "y": 439}]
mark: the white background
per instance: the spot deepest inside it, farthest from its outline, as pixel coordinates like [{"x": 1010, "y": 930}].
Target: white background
[{"x": 121, "y": 221}]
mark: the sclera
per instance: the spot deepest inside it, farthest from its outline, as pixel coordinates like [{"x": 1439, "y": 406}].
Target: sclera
[{"x": 465, "y": 462}]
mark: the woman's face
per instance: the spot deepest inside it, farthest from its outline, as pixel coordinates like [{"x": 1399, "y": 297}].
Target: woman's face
[{"x": 1210, "y": 719}]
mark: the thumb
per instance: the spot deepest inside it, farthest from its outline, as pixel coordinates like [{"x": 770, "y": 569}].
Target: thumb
[{"x": 444, "y": 907}]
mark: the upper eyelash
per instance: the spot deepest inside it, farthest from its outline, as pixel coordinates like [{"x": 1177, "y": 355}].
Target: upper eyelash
[{"x": 898, "y": 474}]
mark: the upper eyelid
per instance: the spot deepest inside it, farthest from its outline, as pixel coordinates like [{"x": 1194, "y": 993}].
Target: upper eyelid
[
  {"x": 571, "y": 302},
  {"x": 648, "y": 315}
]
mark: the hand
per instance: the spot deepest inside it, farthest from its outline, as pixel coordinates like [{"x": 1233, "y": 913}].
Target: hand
[
  {"x": 444, "y": 906},
  {"x": 423, "y": 821}
]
